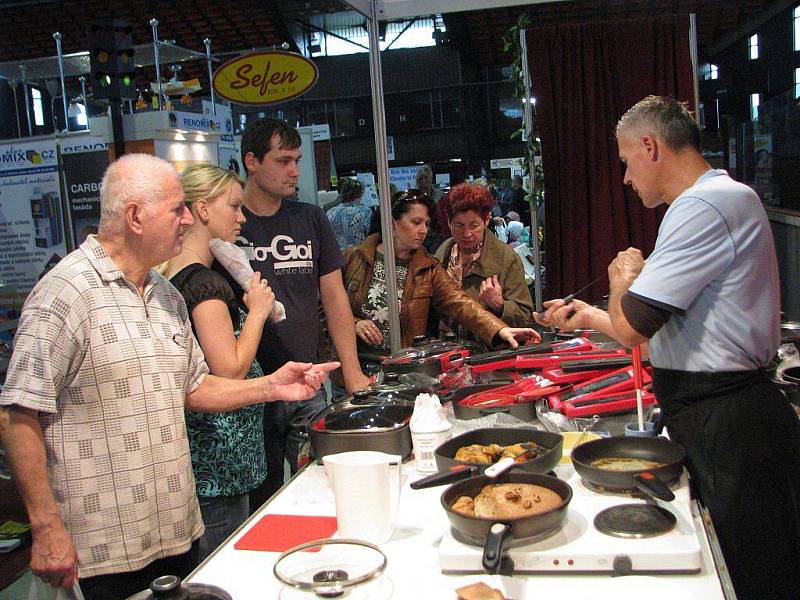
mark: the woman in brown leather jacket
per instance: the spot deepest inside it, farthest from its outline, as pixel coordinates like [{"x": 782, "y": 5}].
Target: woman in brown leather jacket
[{"x": 421, "y": 281}]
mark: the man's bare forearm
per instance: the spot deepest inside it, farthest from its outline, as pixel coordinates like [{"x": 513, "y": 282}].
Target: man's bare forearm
[
  {"x": 220, "y": 394},
  {"x": 22, "y": 439}
]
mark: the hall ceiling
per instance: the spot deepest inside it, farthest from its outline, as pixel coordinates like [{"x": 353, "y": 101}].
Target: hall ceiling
[{"x": 26, "y": 28}]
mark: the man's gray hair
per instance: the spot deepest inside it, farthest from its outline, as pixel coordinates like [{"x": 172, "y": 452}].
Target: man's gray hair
[
  {"x": 138, "y": 177},
  {"x": 664, "y": 118}
]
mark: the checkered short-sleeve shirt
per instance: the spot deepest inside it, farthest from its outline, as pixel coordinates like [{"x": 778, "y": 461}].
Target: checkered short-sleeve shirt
[{"x": 108, "y": 372}]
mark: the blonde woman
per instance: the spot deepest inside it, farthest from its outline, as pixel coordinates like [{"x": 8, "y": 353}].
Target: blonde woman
[{"x": 227, "y": 448}]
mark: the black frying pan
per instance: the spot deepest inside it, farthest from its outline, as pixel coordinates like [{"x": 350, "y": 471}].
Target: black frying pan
[
  {"x": 493, "y": 533},
  {"x": 651, "y": 481},
  {"x": 504, "y": 436},
  {"x": 451, "y": 470}
]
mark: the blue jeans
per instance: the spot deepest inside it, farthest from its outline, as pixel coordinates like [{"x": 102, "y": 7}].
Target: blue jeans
[
  {"x": 285, "y": 439},
  {"x": 221, "y": 516}
]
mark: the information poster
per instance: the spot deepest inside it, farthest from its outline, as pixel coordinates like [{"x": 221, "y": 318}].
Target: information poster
[
  {"x": 370, "y": 197},
  {"x": 762, "y": 147},
  {"x": 84, "y": 161},
  {"x": 31, "y": 224},
  {"x": 405, "y": 178}
]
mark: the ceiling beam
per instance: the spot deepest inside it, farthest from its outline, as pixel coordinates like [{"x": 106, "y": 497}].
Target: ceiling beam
[
  {"x": 401, "y": 9},
  {"x": 771, "y": 10}
]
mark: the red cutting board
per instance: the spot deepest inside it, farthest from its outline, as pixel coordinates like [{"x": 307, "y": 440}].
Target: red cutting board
[{"x": 278, "y": 533}]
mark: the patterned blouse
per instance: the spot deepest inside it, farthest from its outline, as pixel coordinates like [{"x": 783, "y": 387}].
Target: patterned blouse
[
  {"x": 376, "y": 305},
  {"x": 227, "y": 448}
]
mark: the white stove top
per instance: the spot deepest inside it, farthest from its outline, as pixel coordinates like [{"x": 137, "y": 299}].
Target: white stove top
[{"x": 579, "y": 547}]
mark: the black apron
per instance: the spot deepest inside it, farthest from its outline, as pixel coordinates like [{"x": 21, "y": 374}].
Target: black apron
[{"x": 742, "y": 442}]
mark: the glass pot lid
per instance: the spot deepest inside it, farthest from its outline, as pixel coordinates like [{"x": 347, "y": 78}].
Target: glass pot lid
[
  {"x": 371, "y": 418},
  {"x": 339, "y": 565}
]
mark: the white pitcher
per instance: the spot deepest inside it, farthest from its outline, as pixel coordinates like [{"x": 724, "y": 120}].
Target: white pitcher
[{"x": 367, "y": 493}]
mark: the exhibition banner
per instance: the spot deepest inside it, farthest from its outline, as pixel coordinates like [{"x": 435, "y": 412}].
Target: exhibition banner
[
  {"x": 31, "y": 224},
  {"x": 83, "y": 166}
]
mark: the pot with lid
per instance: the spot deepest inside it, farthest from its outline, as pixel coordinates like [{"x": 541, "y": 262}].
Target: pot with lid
[
  {"x": 170, "y": 587},
  {"x": 373, "y": 419}
]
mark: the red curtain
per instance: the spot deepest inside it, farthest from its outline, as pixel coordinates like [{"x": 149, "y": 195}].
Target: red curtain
[{"x": 584, "y": 77}]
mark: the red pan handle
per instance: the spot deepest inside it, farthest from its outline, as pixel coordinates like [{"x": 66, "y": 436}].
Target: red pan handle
[
  {"x": 636, "y": 359},
  {"x": 652, "y": 485}
]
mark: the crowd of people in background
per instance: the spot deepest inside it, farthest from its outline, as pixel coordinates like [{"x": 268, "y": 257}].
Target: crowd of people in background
[{"x": 461, "y": 240}]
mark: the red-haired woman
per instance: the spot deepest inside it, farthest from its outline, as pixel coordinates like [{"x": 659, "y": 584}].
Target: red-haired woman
[{"x": 488, "y": 270}]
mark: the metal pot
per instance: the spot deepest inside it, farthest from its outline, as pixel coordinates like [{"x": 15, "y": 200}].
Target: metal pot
[
  {"x": 790, "y": 332},
  {"x": 363, "y": 423},
  {"x": 170, "y": 587}
]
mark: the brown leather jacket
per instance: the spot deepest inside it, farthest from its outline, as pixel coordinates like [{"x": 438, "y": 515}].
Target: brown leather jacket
[{"x": 426, "y": 282}]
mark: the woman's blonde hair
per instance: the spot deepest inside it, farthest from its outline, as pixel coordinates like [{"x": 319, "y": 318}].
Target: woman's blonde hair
[{"x": 205, "y": 181}]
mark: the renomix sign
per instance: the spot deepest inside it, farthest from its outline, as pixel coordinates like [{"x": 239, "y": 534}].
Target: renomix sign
[{"x": 265, "y": 77}]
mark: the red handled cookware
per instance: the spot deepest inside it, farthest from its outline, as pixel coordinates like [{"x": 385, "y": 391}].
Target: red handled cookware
[
  {"x": 507, "y": 359},
  {"x": 430, "y": 356},
  {"x": 570, "y": 365},
  {"x": 516, "y": 399},
  {"x": 651, "y": 481},
  {"x": 608, "y": 404},
  {"x": 545, "y": 361},
  {"x": 593, "y": 393}
]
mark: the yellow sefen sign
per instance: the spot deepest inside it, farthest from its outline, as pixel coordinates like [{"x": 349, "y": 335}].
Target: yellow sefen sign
[{"x": 265, "y": 77}]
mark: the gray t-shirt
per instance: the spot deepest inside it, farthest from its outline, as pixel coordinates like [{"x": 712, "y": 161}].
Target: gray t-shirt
[{"x": 714, "y": 263}]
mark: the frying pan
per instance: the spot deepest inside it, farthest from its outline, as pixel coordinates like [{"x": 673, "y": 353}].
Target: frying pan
[
  {"x": 504, "y": 436},
  {"x": 494, "y": 533},
  {"x": 650, "y": 481}
]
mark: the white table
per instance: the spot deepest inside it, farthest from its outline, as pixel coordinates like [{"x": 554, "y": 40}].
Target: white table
[{"x": 413, "y": 566}]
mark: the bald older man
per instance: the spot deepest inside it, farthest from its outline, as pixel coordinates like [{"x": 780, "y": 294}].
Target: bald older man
[{"x": 104, "y": 365}]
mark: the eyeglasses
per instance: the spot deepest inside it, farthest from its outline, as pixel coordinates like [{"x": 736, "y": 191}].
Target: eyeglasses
[{"x": 410, "y": 197}]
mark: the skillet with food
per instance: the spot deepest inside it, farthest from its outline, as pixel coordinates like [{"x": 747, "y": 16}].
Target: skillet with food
[
  {"x": 516, "y": 507},
  {"x": 545, "y": 459},
  {"x": 474, "y": 451},
  {"x": 624, "y": 463}
]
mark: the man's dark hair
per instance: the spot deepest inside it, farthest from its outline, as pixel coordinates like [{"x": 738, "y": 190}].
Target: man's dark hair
[
  {"x": 257, "y": 137},
  {"x": 662, "y": 117}
]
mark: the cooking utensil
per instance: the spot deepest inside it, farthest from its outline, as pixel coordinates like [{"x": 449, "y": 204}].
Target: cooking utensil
[
  {"x": 506, "y": 359},
  {"x": 366, "y": 487},
  {"x": 544, "y": 361},
  {"x": 650, "y": 481},
  {"x": 340, "y": 566},
  {"x": 430, "y": 356},
  {"x": 525, "y": 411},
  {"x": 617, "y": 361},
  {"x": 347, "y": 426},
  {"x": 170, "y": 587},
  {"x": 636, "y": 357},
  {"x": 451, "y": 470},
  {"x": 495, "y": 533},
  {"x": 589, "y": 425},
  {"x": 571, "y": 297}
]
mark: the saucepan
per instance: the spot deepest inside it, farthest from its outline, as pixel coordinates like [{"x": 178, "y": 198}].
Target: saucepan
[{"x": 652, "y": 481}]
